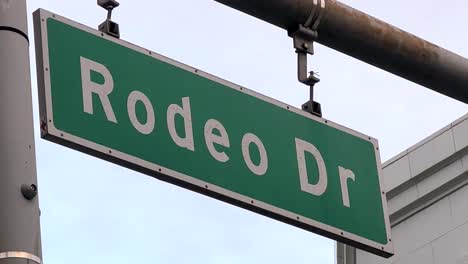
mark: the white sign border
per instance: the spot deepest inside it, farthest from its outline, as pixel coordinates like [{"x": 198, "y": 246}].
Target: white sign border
[{"x": 50, "y": 132}]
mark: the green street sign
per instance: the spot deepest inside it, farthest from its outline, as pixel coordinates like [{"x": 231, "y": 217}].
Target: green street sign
[{"x": 141, "y": 110}]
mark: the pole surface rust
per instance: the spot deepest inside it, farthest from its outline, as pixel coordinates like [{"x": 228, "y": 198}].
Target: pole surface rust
[
  {"x": 368, "y": 39},
  {"x": 20, "y": 239}
]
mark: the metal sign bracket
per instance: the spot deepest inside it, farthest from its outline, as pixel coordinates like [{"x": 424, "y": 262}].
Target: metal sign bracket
[
  {"x": 108, "y": 26},
  {"x": 304, "y": 44}
]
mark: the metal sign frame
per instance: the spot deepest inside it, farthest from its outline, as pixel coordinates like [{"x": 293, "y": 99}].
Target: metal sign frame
[{"x": 51, "y": 133}]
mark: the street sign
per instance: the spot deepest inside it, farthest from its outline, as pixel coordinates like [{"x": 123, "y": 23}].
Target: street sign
[{"x": 141, "y": 110}]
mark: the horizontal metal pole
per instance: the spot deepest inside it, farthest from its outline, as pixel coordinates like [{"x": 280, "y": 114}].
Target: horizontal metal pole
[{"x": 368, "y": 39}]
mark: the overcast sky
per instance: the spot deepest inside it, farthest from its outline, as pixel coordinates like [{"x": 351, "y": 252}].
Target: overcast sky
[{"x": 97, "y": 212}]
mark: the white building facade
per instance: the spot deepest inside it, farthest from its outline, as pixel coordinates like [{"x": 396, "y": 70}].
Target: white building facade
[{"x": 427, "y": 193}]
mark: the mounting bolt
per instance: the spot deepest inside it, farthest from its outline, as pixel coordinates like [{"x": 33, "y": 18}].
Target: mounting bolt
[
  {"x": 305, "y": 45},
  {"x": 29, "y": 191}
]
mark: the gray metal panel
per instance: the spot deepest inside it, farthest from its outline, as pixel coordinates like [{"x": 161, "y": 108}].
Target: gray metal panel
[
  {"x": 420, "y": 256},
  {"x": 394, "y": 158},
  {"x": 403, "y": 199},
  {"x": 465, "y": 162},
  {"x": 424, "y": 141},
  {"x": 413, "y": 236},
  {"x": 434, "y": 181},
  {"x": 452, "y": 248},
  {"x": 458, "y": 203},
  {"x": 363, "y": 257},
  {"x": 431, "y": 153},
  {"x": 396, "y": 173},
  {"x": 459, "y": 120},
  {"x": 428, "y": 207},
  {"x": 460, "y": 133},
  {"x": 422, "y": 228}
]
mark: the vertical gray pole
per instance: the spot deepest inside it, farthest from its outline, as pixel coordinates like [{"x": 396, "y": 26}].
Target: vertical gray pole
[
  {"x": 339, "y": 253},
  {"x": 20, "y": 239},
  {"x": 345, "y": 254}
]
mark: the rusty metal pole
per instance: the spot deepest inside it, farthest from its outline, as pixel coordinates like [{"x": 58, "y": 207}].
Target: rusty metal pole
[{"x": 368, "y": 39}]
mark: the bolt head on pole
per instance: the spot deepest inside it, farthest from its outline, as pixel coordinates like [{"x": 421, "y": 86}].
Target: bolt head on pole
[{"x": 29, "y": 191}]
